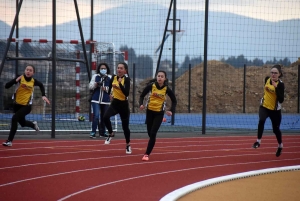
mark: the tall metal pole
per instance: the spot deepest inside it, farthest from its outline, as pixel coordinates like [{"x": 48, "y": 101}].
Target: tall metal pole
[
  {"x": 17, "y": 44},
  {"x": 298, "y": 102},
  {"x": 173, "y": 55},
  {"x": 10, "y": 36},
  {"x": 91, "y": 50},
  {"x": 133, "y": 88},
  {"x": 91, "y": 30},
  {"x": 244, "y": 90},
  {"x": 163, "y": 39},
  {"x": 190, "y": 84},
  {"x": 205, "y": 67},
  {"x": 53, "y": 68},
  {"x": 82, "y": 39}
]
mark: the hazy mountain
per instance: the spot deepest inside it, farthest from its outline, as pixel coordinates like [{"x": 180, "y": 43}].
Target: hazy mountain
[{"x": 140, "y": 26}]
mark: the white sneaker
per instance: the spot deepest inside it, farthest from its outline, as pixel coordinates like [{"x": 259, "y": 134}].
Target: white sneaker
[
  {"x": 128, "y": 149},
  {"x": 107, "y": 141},
  {"x": 36, "y": 126},
  {"x": 7, "y": 143}
]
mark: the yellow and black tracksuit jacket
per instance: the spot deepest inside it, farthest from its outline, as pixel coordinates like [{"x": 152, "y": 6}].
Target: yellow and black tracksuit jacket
[
  {"x": 156, "y": 100},
  {"x": 273, "y": 97},
  {"x": 120, "y": 91},
  {"x": 24, "y": 89}
]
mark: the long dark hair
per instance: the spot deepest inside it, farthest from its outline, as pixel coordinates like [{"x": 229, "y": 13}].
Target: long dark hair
[
  {"x": 279, "y": 70},
  {"x": 154, "y": 79},
  {"x": 33, "y": 67},
  {"x": 125, "y": 66},
  {"x": 106, "y": 65}
]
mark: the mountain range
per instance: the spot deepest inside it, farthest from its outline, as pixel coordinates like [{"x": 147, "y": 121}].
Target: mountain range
[{"x": 140, "y": 26}]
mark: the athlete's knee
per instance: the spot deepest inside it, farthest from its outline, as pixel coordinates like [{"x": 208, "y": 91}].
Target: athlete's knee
[
  {"x": 276, "y": 130},
  {"x": 261, "y": 121},
  {"x": 23, "y": 124},
  {"x": 15, "y": 118}
]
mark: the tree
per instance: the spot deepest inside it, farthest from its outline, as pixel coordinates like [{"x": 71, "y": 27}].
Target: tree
[
  {"x": 274, "y": 61},
  {"x": 241, "y": 61},
  {"x": 285, "y": 61},
  {"x": 196, "y": 61},
  {"x": 144, "y": 66},
  {"x": 186, "y": 62},
  {"x": 132, "y": 58},
  {"x": 257, "y": 62}
]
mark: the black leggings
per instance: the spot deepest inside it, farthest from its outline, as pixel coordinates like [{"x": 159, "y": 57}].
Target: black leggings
[
  {"x": 20, "y": 111},
  {"x": 121, "y": 108},
  {"x": 153, "y": 121},
  {"x": 101, "y": 125},
  {"x": 275, "y": 116}
]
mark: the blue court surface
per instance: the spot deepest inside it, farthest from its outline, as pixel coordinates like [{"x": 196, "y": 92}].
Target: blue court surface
[{"x": 182, "y": 122}]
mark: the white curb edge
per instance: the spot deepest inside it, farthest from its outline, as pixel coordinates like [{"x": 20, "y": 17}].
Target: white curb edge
[{"x": 174, "y": 195}]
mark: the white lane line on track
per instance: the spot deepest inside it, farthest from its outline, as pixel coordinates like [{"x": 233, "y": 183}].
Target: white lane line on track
[
  {"x": 129, "y": 164},
  {"x": 121, "y": 141},
  {"x": 145, "y": 141},
  {"x": 166, "y": 172},
  {"x": 139, "y": 155},
  {"x": 156, "y": 147}
]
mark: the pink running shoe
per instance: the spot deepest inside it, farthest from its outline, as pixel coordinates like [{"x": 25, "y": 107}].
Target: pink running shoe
[{"x": 145, "y": 158}]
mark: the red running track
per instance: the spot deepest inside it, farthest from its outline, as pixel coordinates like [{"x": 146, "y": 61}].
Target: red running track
[{"x": 89, "y": 170}]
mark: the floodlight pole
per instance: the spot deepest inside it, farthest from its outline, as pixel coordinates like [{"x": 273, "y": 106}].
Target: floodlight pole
[
  {"x": 82, "y": 40},
  {"x": 91, "y": 30},
  {"x": 17, "y": 44},
  {"x": 173, "y": 56},
  {"x": 53, "y": 102},
  {"x": 164, "y": 38},
  {"x": 10, "y": 35},
  {"x": 205, "y": 68}
]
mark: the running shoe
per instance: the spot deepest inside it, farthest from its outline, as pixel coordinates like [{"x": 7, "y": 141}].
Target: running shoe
[
  {"x": 128, "y": 149},
  {"x": 92, "y": 135},
  {"x": 103, "y": 134},
  {"x": 107, "y": 141},
  {"x": 256, "y": 145},
  {"x": 36, "y": 126},
  {"x": 278, "y": 152},
  {"x": 145, "y": 157},
  {"x": 7, "y": 143}
]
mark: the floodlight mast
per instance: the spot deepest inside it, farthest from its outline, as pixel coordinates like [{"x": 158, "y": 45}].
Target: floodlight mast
[
  {"x": 161, "y": 47},
  {"x": 156, "y": 65}
]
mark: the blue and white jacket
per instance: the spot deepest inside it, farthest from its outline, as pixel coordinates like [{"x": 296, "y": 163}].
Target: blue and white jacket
[{"x": 100, "y": 96}]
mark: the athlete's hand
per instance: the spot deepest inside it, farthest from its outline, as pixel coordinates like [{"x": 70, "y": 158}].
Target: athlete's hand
[
  {"x": 274, "y": 83},
  {"x": 19, "y": 78},
  {"x": 46, "y": 99},
  {"x": 169, "y": 113},
  {"x": 111, "y": 97}
]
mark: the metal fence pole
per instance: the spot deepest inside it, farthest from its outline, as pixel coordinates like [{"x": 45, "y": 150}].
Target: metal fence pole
[
  {"x": 298, "y": 105},
  {"x": 133, "y": 87},
  {"x": 190, "y": 82},
  {"x": 244, "y": 90}
]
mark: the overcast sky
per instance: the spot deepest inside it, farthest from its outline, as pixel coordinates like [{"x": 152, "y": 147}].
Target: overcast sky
[{"x": 35, "y": 12}]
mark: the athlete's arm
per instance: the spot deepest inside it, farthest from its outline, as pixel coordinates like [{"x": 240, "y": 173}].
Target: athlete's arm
[
  {"x": 173, "y": 99},
  {"x": 144, "y": 93},
  {"x": 11, "y": 83},
  {"x": 40, "y": 85},
  {"x": 125, "y": 89},
  {"x": 110, "y": 84},
  {"x": 280, "y": 92}
]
